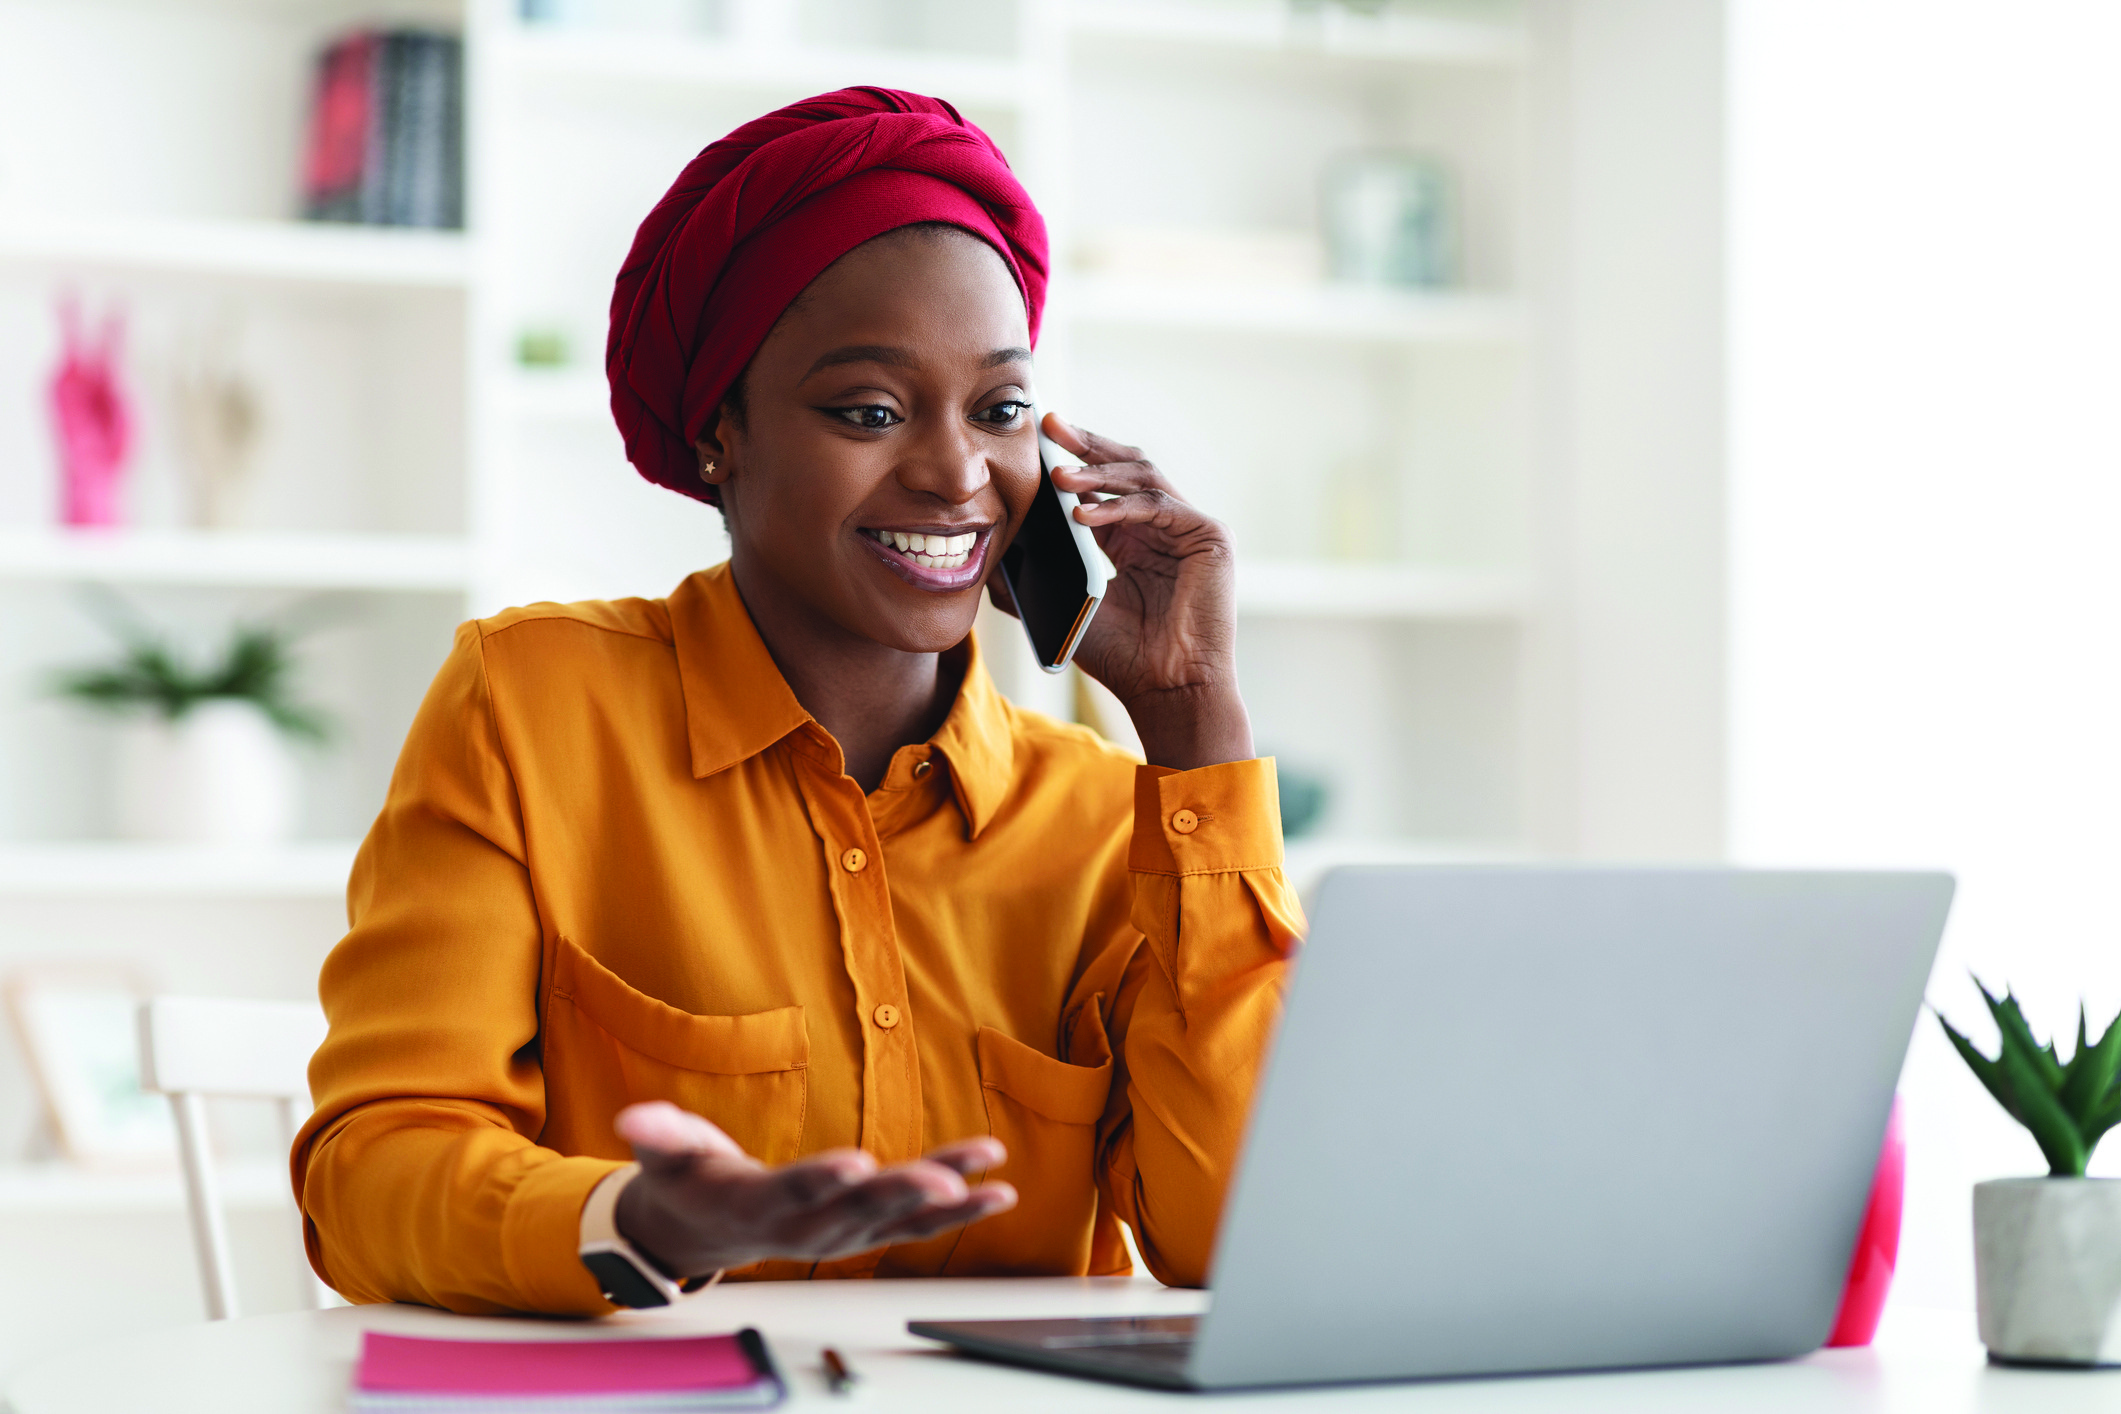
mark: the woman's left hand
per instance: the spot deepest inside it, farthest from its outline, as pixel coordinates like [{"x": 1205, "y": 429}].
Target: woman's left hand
[{"x": 1165, "y": 638}]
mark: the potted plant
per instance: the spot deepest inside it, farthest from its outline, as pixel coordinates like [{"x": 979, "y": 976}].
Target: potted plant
[
  {"x": 2047, "y": 1251},
  {"x": 203, "y": 756}
]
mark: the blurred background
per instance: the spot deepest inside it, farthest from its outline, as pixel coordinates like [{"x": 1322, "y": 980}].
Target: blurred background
[{"x": 1653, "y": 429}]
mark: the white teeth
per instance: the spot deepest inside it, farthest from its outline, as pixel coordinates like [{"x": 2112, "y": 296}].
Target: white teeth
[{"x": 941, "y": 552}]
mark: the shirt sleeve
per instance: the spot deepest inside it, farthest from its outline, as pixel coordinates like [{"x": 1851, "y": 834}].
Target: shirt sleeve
[
  {"x": 418, "y": 1175},
  {"x": 1196, "y": 1004}
]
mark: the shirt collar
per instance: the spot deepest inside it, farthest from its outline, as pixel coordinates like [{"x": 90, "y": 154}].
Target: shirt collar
[{"x": 737, "y": 703}]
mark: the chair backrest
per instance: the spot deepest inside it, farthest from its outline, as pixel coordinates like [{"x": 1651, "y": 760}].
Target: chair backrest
[
  {"x": 229, "y": 1046},
  {"x": 195, "y": 1047}
]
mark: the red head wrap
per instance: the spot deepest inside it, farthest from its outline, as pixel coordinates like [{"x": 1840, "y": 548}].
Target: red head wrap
[{"x": 757, "y": 216}]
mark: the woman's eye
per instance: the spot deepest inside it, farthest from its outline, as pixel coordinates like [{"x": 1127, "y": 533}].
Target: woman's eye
[
  {"x": 1002, "y": 414},
  {"x": 870, "y": 417}
]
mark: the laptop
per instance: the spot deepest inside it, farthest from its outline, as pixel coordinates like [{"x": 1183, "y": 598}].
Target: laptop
[{"x": 1531, "y": 1119}]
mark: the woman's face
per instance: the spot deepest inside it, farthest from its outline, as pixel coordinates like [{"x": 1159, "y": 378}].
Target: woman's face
[{"x": 887, "y": 450}]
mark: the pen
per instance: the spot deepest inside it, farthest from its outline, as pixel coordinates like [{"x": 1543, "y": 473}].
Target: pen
[{"x": 839, "y": 1375}]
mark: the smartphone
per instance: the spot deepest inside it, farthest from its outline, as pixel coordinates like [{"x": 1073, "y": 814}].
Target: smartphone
[{"x": 1054, "y": 571}]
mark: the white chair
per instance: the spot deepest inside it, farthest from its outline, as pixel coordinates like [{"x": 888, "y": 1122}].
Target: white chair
[{"x": 195, "y": 1047}]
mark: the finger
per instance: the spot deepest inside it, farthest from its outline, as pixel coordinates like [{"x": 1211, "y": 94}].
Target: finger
[
  {"x": 985, "y": 1201},
  {"x": 897, "y": 1192},
  {"x": 1111, "y": 479},
  {"x": 664, "y": 1136},
  {"x": 1088, "y": 445},
  {"x": 819, "y": 1179},
  {"x": 1157, "y": 508},
  {"x": 970, "y": 1156}
]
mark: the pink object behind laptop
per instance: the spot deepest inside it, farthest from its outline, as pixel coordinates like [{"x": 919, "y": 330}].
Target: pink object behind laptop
[{"x": 411, "y": 1373}]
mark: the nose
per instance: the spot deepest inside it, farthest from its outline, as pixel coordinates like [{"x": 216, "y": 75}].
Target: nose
[{"x": 946, "y": 460}]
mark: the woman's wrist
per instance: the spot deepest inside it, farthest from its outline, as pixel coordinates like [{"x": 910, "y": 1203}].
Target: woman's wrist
[
  {"x": 1184, "y": 729},
  {"x": 637, "y": 1221}
]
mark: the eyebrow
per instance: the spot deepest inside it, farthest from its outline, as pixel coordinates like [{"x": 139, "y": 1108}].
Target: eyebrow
[{"x": 895, "y": 357}]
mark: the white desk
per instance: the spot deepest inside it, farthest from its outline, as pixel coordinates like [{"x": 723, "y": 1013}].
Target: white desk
[{"x": 300, "y": 1363}]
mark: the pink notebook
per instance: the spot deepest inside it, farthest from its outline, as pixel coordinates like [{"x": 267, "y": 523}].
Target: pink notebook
[{"x": 413, "y": 1373}]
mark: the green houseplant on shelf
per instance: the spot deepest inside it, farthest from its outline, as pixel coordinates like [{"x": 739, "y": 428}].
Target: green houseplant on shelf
[
  {"x": 202, "y": 757},
  {"x": 2047, "y": 1251}
]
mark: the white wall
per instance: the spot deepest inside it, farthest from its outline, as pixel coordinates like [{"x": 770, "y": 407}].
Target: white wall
[
  {"x": 1926, "y": 280},
  {"x": 1629, "y": 663}
]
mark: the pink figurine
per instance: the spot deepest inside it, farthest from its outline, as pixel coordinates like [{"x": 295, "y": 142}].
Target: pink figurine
[{"x": 92, "y": 420}]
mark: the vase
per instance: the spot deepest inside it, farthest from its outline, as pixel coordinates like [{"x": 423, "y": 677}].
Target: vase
[
  {"x": 1870, "y": 1275},
  {"x": 2047, "y": 1267},
  {"x": 219, "y": 774}
]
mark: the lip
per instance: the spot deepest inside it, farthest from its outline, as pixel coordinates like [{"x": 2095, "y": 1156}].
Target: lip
[{"x": 933, "y": 580}]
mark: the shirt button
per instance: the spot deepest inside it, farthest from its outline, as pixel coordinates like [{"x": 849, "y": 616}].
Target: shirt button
[
  {"x": 886, "y": 1016},
  {"x": 854, "y": 861},
  {"x": 1185, "y": 822},
  {"x": 922, "y": 768}
]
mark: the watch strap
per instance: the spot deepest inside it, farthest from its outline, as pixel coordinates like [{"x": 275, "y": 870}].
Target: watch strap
[{"x": 623, "y": 1274}]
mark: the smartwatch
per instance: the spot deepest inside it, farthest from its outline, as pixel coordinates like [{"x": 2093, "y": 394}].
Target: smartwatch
[{"x": 623, "y": 1274}]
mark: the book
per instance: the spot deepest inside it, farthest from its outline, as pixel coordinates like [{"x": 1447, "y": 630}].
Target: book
[
  {"x": 672, "y": 1375},
  {"x": 386, "y": 141}
]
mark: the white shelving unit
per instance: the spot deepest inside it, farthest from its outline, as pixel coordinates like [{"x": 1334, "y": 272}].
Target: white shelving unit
[
  {"x": 252, "y": 559},
  {"x": 1284, "y": 32},
  {"x": 309, "y": 869},
  {"x": 1309, "y": 312},
  {"x": 267, "y": 251}
]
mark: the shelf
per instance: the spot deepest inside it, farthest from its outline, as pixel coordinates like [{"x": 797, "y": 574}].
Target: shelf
[
  {"x": 1274, "y": 29},
  {"x": 719, "y": 68},
  {"x": 1323, "y": 311},
  {"x": 281, "y": 251},
  {"x": 570, "y": 395},
  {"x": 1294, "y": 589},
  {"x": 46, "y": 1189},
  {"x": 306, "y": 869},
  {"x": 435, "y": 563}
]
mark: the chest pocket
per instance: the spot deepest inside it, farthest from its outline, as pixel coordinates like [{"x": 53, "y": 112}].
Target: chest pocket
[
  {"x": 1046, "y": 1112},
  {"x": 606, "y": 1045}
]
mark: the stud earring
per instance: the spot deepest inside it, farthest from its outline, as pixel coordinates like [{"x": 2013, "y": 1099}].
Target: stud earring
[{"x": 706, "y": 469}]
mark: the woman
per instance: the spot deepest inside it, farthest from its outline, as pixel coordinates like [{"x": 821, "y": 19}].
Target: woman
[{"x": 874, "y": 973}]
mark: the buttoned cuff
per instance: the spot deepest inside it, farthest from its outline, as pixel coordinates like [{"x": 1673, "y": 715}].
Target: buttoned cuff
[
  {"x": 1218, "y": 819},
  {"x": 541, "y": 1236}
]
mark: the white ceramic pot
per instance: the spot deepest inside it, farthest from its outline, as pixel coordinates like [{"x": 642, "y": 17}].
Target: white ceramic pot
[
  {"x": 2047, "y": 1261},
  {"x": 220, "y": 774}
]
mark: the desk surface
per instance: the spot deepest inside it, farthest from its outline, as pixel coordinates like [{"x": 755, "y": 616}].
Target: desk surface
[{"x": 1924, "y": 1363}]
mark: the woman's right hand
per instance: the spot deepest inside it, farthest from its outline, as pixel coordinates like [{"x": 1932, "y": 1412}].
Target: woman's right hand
[{"x": 700, "y": 1203}]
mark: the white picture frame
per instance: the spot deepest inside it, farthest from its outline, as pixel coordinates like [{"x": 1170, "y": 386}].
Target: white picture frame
[{"x": 78, "y": 1027}]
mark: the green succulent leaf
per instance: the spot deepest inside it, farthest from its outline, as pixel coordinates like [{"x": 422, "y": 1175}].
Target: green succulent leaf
[
  {"x": 1988, "y": 1072},
  {"x": 2091, "y": 1071},
  {"x": 2041, "y": 1112},
  {"x": 2043, "y": 1065}
]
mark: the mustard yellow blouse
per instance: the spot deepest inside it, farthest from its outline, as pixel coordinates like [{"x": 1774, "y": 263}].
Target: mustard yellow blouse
[{"x": 620, "y": 862}]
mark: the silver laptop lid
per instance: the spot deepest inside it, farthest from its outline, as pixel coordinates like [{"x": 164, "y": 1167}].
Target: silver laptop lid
[{"x": 1565, "y": 1118}]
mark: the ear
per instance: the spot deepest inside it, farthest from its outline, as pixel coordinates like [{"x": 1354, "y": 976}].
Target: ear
[{"x": 713, "y": 453}]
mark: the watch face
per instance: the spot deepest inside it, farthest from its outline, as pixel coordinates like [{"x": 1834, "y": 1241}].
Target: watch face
[{"x": 621, "y": 1281}]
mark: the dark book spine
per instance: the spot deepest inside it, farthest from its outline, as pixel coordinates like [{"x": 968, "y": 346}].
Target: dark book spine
[
  {"x": 452, "y": 212},
  {"x": 374, "y": 203},
  {"x": 400, "y": 147},
  {"x": 428, "y": 103}
]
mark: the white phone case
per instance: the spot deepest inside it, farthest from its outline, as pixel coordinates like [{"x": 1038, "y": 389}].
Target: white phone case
[{"x": 1097, "y": 570}]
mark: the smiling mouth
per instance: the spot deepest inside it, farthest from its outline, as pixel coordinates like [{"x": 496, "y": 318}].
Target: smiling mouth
[{"x": 930, "y": 552}]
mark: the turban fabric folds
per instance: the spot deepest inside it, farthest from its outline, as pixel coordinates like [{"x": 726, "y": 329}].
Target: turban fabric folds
[{"x": 757, "y": 216}]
